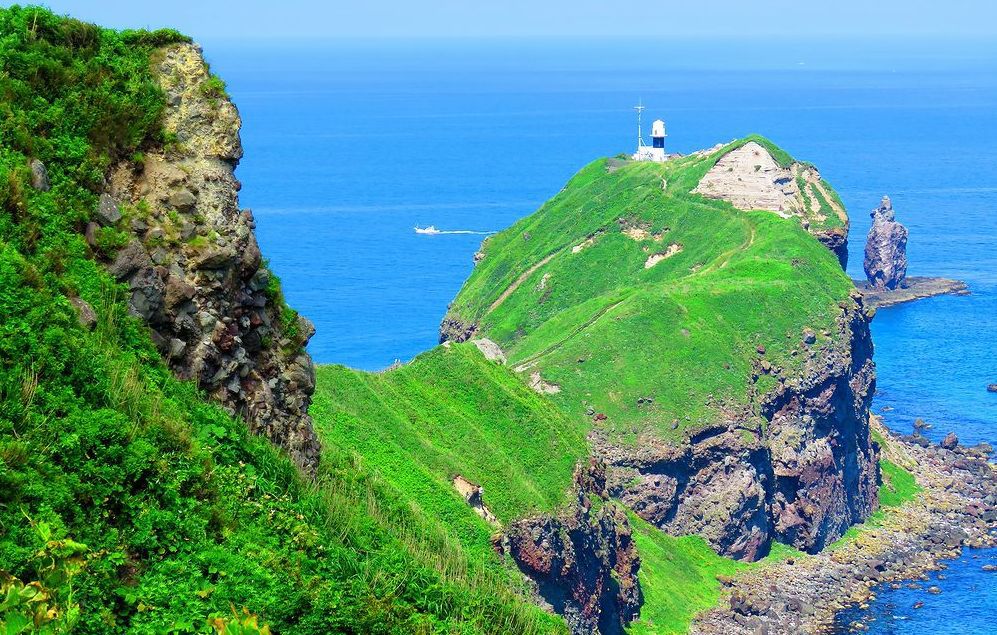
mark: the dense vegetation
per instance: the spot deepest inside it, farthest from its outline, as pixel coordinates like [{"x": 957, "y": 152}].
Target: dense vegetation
[
  {"x": 128, "y": 502},
  {"x": 570, "y": 291}
]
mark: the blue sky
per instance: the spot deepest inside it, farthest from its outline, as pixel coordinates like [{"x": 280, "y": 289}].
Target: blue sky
[{"x": 798, "y": 19}]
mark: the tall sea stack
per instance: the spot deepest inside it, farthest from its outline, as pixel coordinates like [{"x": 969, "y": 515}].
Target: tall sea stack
[{"x": 886, "y": 249}]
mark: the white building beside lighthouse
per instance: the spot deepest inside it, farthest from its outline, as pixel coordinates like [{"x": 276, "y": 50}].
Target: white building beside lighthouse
[{"x": 656, "y": 151}]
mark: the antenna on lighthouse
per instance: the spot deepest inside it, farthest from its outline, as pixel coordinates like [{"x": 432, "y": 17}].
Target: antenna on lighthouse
[{"x": 639, "y": 108}]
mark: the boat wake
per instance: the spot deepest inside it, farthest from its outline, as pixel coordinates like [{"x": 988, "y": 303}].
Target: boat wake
[{"x": 431, "y": 230}]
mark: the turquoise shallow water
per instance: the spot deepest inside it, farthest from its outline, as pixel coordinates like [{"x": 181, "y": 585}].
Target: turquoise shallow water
[{"x": 348, "y": 146}]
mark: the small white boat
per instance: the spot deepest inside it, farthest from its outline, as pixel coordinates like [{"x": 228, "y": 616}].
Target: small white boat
[{"x": 426, "y": 230}]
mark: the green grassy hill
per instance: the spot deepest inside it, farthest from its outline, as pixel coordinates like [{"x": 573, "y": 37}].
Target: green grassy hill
[
  {"x": 449, "y": 412},
  {"x": 617, "y": 290},
  {"x": 130, "y": 503}
]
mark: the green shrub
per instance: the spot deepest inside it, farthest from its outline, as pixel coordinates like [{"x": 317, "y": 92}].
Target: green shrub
[
  {"x": 213, "y": 87},
  {"x": 44, "y": 606},
  {"x": 155, "y": 39}
]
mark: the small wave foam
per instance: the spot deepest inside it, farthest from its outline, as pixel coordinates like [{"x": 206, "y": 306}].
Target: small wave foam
[
  {"x": 464, "y": 231},
  {"x": 432, "y": 231}
]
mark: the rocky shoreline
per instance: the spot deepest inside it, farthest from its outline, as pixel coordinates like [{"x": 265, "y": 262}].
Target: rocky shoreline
[
  {"x": 957, "y": 508},
  {"x": 916, "y": 288}
]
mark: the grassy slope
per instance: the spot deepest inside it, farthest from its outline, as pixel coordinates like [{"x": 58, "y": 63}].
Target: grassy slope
[
  {"x": 451, "y": 411},
  {"x": 899, "y": 485},
  {"x": 679, "y": 577},
  {"x": 609, "y": 331},
  {"x": 174, "y": 511}
]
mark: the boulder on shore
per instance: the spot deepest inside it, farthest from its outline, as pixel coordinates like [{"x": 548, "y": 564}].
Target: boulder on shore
[
  {"x": 950, "y": 442},
  {"x": 886, "y": 249}
]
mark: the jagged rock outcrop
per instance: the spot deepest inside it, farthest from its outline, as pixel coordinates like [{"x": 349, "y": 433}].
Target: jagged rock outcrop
[
  {"x": 584, "y": 561},
  {"x": 802, "y": 476},
  {"x": 886, "y": 249},
  {"x": 193, "y": 266},
  {"x": 715, "y": 486},
  {"x": 453, "y": 329},
  {"x": 824, "y": 463},
  {"x": 39, "y": 176},
  {"x": 749, "y": 177}
]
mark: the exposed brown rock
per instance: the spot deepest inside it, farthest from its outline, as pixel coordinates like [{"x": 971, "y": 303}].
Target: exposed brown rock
[
  {"x": 749, "y": 178},
  {"x": 584, "y": 560},
  {"x": 803, "y": 480},
  {"x": 824, "y": 464},
  {"x": 196, "y": 280},
  {"x": 950, "y": 442}
]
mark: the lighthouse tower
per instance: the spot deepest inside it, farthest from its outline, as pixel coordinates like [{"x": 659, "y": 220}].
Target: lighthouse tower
[
  {"x": 658, "y": 140},
  {"x": 656, "y": 151}
]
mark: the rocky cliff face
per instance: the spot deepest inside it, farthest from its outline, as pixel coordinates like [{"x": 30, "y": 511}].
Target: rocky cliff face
[
  {"x": 717, "y": 486},
  {"x": 193, "y": 266},
  {"x": 801, "y": 476},
  {"x": 886, "y": 249},
  {"x": 584, "y": 561},
  {"x": 824, "y": 464}
]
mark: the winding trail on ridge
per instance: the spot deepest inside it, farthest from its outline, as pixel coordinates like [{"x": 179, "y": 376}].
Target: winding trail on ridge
[
  {"x": 531, "y": 361},
  {"x": 725, "y": 258},
  {"x": 520, "y": 280}
]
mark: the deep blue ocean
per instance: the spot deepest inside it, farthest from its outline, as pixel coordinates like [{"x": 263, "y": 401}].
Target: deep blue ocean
[{"x": 349, "y": 145}]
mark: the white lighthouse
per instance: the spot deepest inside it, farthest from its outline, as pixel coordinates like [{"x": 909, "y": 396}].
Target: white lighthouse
[{"x": 656, "y": 151}]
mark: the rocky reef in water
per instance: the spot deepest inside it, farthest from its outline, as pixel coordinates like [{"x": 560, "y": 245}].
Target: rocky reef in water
[
  {"x": 885, "y": 261},
  {"x": 194, "y": 269},
  {"x": 885, "y": 265}
]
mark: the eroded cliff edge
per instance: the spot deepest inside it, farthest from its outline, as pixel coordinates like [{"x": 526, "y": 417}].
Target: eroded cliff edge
[
  {"x": 800, "y": 476},
  {"x": 194, "y": 269}
]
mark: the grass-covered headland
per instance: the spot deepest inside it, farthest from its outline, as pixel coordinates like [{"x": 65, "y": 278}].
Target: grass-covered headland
[
  {"x": 129, "y": 503},
  {"x": 627, "y": 285}
]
